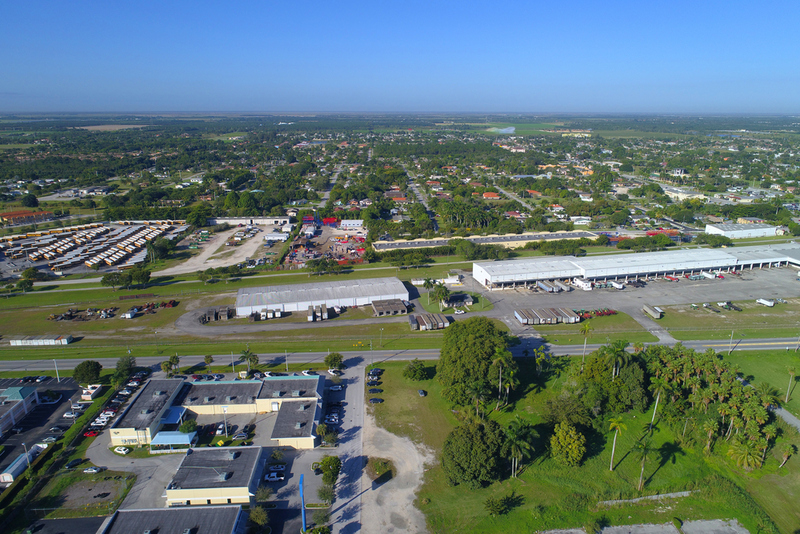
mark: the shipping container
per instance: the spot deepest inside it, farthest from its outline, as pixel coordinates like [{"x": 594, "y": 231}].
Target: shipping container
[
  {"x": 651, "y": 311},
  {"x": 545, "y": 286},
  {"x": 412, "y": 322},
  {"x": 521, "y": 317},
  {"x": 617, "y": 285},
  {"x": 766, "y": 302}
]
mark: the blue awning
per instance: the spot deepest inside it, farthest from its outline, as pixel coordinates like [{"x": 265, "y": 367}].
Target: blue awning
[
  {"x": 173, "y": 438},
  {"x": 173, "y": 415}
]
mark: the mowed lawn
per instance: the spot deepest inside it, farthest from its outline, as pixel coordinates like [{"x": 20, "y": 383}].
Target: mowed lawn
[
  {"x": 547, "y": 495},
  {"x": 755, "y": 321},
  {"x": 609, "y": 327}
]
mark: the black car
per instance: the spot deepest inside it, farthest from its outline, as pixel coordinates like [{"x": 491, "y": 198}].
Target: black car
[
  {"x": 74, "y": 463},
  {"x": 373, "y": 383},
  {"x": 375, "y": 400},
  {"x": 376, "y": 371},
  {"x": 376, "y": 390}
]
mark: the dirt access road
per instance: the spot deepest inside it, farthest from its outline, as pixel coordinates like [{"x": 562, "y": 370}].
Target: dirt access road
[
  {"x": 389, "y": 507},
  {"x": 208, "y": 259}
]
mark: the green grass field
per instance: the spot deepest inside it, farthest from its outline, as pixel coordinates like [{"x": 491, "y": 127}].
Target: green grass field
[
  {"x": 609, "y": 327},
  {"x": 543, "y": 492},
  {"x": 754, "y": 321}
]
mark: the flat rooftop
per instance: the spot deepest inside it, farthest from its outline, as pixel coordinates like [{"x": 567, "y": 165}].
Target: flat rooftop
[
  {"x": 224, "y": 467},
  {"x": 197, "y": 519},
  {"x": 283, "y": 387},
  {"x": 149, "y": 403},
  {"x": 320, "y": 291}
]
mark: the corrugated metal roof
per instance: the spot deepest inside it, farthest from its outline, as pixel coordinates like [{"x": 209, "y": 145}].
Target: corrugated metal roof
[{"x": 319, "y": 291}]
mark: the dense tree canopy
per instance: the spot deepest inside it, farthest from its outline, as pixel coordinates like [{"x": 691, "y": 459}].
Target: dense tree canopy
[
  {"x": 468, "y": 350},
  {"x": 87, "y": 372},
  {"x": 471, "y": 454}
]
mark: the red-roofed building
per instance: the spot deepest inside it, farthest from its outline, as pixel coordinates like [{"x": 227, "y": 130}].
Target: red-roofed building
[{"x": 491, "y": 196}]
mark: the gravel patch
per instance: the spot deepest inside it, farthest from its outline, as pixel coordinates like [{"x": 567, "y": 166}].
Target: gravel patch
[{"x": 389, "y": 507}]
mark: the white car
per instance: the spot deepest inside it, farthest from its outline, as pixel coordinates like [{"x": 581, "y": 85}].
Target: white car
[
  {"x": 308, "y": 372},
  {"x": 278, "y": 467},
  {"x": 71, "y": 415},
  {"x": 122, "y": 450},
  {"x": 275, "y": 476},
  {"x": 459, "y": 312},
  {"x": 333, "y": 372},
  {"x": 337, "y": 387},
  {"x": 92, "y": 470}
]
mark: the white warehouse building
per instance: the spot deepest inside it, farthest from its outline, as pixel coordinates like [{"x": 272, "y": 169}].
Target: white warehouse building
[
  {"x": 512, "y": 273},
  {"x": 298, "y": 297},
  {"x": 741, "y": 231}
]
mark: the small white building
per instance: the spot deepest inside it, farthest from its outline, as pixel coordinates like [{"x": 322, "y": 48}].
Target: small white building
[{"x": 352, "y": 224}]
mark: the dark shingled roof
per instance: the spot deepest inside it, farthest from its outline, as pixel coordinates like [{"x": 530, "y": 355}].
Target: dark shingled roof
[
  {"x": 148, "y": 404},
  {"x": 198, "y": 519},
  {"x": 295, "y": 419},
  {"x": 203, "y": 468},
  {"x": 80, "y": 525}
]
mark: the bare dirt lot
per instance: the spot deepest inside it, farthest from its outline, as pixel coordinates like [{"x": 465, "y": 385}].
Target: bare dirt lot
[{"x": 389, "y": 507}]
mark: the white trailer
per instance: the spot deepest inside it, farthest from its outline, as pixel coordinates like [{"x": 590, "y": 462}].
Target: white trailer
[
  {"x": 711, "y": 276},
  {"x": 766, "y": 302}
]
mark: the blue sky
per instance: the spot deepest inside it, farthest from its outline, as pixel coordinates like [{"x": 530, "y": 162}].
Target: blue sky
[{"x": 401, "y": 56}]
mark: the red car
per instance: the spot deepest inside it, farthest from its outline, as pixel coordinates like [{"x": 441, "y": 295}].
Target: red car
[{"x": 91, "y": 434}]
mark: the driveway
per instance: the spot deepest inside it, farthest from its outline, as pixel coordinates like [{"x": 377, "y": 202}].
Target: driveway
[{"x": 152, "y": 474}]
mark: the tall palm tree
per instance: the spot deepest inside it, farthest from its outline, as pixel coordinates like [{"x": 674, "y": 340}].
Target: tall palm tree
[
  {"x": 586, "y": 331},
  {"x": 477, "y": 390},
  {"x": 512, "y": 381},
  {"x": 428, "y": 284},
  {"x": 519, "y": 433},
  {"x": 501, "y": 359},
  {"x": 658, "y": 385},
  {"x": 643, "y": 449},
  {"x": 441, "y": 294},
  {"x": 710, "y": 427},
  {"x": 617, "y": 426},
  {"x": 616, "y": 355}
]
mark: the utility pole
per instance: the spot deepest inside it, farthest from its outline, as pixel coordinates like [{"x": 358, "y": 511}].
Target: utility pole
[
  {"x": 286, "y": 359},
  {"x": 58, "y": 379},
  {"x": 730, "y": 344}
]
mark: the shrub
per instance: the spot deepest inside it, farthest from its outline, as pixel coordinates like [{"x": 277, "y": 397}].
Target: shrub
[
  {"x": 567, "y": 445},
  {"x": 494, "y": 506},
  {"x": 259, "y": 516},
  {"x": 326, "y": 493},
  {"x": 188, "y": 426},
  {"x": 263, "y": 493},
  {"x": 321, "y": 517},
  {"x": 415, "y": 370}
]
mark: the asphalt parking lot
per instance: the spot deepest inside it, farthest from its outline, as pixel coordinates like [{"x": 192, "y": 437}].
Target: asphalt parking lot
[{"x": 36, "y": 426}]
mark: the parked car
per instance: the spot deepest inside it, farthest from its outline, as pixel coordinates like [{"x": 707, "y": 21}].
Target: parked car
[
  {"x": 50, "y": 439},
  {"x": 333, "y": 372},
  {"x": 122, "y": 450},
  {"x": 77, "y": 407},
  {"x": 125, "y": 392},
  {"x": 375, "y": 401},
  {"x": 308, "y": 372},
  {"x": 422, "y": 392},
  {"x": 43, "y": 378},
  {"x": 92, "y": 470},
  {"x": 74, "y": 463},
  {"x": 71, "y": 415},
  {"x": 373, "y": 383},
  {"x": 132, "y": 384},
  {"x": 275, "y": 476},
  {"x": 220, "y": 429},
  {"x": 376, "y": 371},
  {"x": 57, "y": 429},
  {"x": 459, "y": 312},
  {"x": 91, "y": 433},
  {"x": 240, "y": 435},
  {"x": 277, "y": 467},
  {"x": 219, "y": 377},
  {"x": 337, "y": 387},
  {"x": 376, "y": 390}
]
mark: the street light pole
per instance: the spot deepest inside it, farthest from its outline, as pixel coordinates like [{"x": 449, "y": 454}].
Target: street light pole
[
  {"x": 58, "y": 379},
  {"x": 225, "y": 418},
  {"x": 730, "y": 344},
  {"x": 381, "y": 345},
  {"x": 233, "y": 366},
  {"x": 26, "y": 456},
  {"x": 286, "y": 359}
]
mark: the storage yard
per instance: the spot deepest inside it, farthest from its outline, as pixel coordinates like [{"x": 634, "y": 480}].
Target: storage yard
[{"x": 122, "y": 245}]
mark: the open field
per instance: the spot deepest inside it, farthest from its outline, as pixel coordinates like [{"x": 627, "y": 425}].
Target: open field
[
  {"x": 76, "y": 494},
  {"x": 755, "y": 320},
  {"x": 546, "y": 495},
  {"x": 771, "y": 366}
]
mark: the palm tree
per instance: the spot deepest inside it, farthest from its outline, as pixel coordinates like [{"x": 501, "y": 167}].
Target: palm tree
[
  {"x": 617, "y": 426},
  {"x": 767, "y": 394},
  {"x": 441, "y": 294},
  {"x": 638, "y": 347},
  {"x": 477, "y": 390},
  {"x": 762, "y": 444},
  {"x": 710, "y": 427},
  {"x": 250, "y": 357},
  {"x": 743, "y": 453},
  {"x": 428, "y": 284},
  {"x": 518, "y": 436},
  {"x": 501, "y": 358},
  {"x": 586, "y": 331},
  {"x": 658, "y": 385},
  {"x": 511, "y": 381},
  {"x": 786, "y": 452},
  {"x": 616, "y": 355},
  {"x": 792, "y": 372},
  {"x": 642, "y": 450}
]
